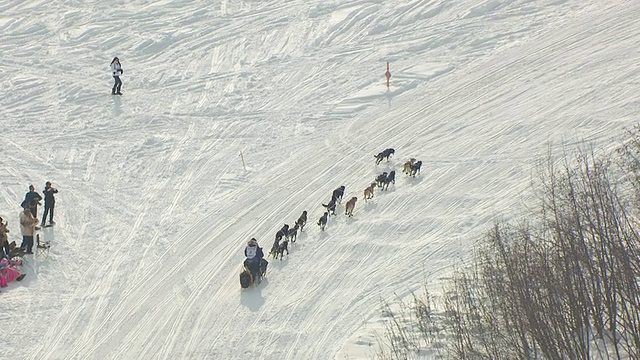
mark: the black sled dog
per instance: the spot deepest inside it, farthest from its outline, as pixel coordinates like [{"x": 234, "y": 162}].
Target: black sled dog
[
  {"x": 302, "y": 220},
  {"x": 323, "y": 220},
  {"x": 337, "y": 194},
  {"x": 415, "y": 168},
  {"x": 331, "y": 206},
  {"x": 384, "y": 154},
  {"x": 391, "y": 178},
  {"x": 284, "y": 246}
]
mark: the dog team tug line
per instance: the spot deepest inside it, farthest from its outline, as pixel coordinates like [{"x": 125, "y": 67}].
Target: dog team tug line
[{"x": 255, "y": 265}]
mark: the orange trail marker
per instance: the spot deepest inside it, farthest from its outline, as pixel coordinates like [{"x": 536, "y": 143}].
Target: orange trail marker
[{"x": 388, "y": 74}]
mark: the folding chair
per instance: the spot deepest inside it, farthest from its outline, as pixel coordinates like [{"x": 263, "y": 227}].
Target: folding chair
[{"x": 42, "y": 247}]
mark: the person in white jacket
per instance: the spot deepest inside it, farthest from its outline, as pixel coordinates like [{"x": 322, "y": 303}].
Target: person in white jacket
[
  {"x": 116, "y": 71},
  {"x": 27, "y": 227}
]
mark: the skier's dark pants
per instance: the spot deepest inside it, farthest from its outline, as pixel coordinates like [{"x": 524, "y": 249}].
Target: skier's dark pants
[
  {"x": 48, "y": 208},
  {"x": 27, "y": 243},
  {"x": 117, "y": 85}
]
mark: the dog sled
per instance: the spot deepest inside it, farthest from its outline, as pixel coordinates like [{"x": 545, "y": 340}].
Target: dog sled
[{"x": 247, "y": 276}]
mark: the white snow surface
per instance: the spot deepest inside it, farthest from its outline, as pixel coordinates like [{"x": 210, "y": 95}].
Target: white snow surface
[{"x": 155, "y": 205}]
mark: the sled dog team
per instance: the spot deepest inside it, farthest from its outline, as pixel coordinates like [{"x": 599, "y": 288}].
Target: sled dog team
[{"x": 255, "y": 266}]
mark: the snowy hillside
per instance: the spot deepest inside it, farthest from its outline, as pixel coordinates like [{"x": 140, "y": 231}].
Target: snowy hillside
[{"x": 155, "y": 206}]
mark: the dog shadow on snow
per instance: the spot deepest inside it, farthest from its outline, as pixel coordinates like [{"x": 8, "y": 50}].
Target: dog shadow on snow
[
  {"x": 351, "y": 219},
  {"x": 325, "y": 234},
  {"x": 370, "y": 205},
  {"x": 413, "y": 180},
  {"x": 302, "y": 236},
  {"x": 279, "y": 263},
  {"x": 390, "y": 189}
]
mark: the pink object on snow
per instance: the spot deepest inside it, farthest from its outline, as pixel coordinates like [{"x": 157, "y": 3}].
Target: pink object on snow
[{"x": 7, "y": 273}]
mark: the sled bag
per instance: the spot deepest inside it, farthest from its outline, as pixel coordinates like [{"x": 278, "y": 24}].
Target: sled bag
[{"x": 245, "y": 279}]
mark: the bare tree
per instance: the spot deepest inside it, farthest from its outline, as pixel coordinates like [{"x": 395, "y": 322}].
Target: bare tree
[{"x": 564, "y": 283}]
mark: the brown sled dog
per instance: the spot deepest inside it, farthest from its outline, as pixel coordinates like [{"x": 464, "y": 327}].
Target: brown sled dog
[
  {"x": 348, "y": 209},
  {"x": 368, "y": 192},
  {"x": 406, "y": 168}
]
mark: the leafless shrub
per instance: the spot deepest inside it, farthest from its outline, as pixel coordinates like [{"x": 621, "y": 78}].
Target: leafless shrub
[
  {"x": 562, "y": 284},
  {"x": 411, "y": 327}
]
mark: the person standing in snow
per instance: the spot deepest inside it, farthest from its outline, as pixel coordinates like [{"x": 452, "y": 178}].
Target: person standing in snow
[
  {"x": 49, "y": 202},
  {"x": 116, "y": 71},
  {"x": 27, "y": 227},
  {"x": 32, "y": 200},
  {"x": 4, "y": 238}
]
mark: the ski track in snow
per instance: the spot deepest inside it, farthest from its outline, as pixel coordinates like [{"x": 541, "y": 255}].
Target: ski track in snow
[{"x": 155, "y": 206}]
